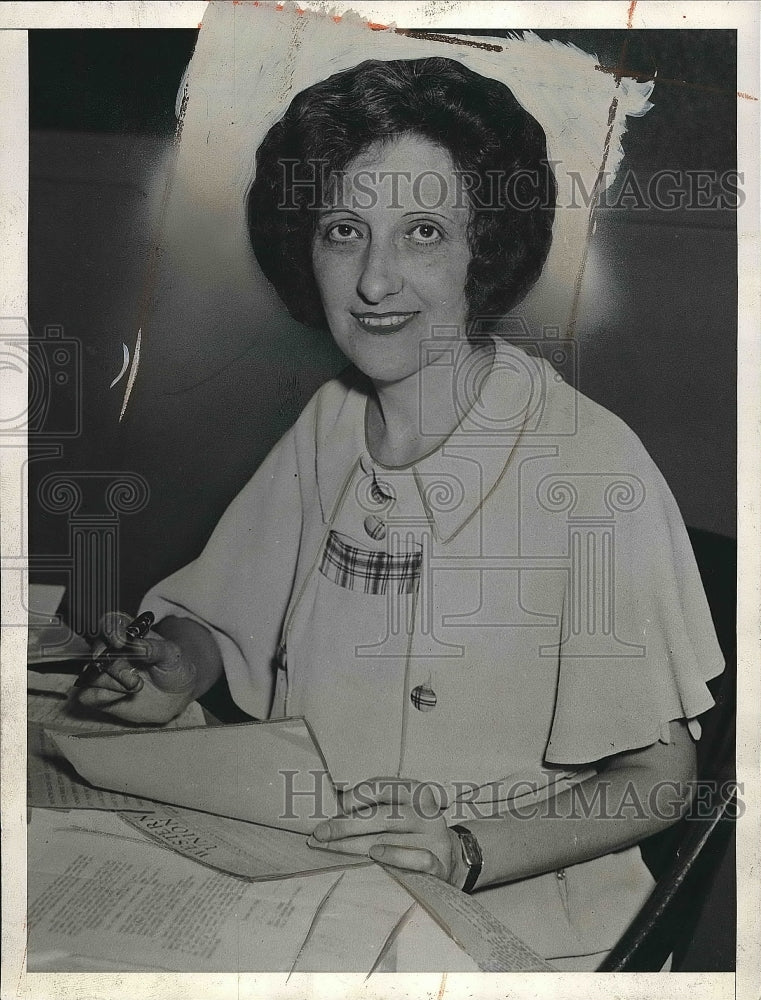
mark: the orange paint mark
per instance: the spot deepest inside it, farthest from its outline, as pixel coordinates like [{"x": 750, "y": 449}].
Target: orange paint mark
[
  {"x": 632, "y": 8},
  {"x": 337, "y": 18},
  {"x": 377, "y": 27},
  {"x": 747, "y": 97},
  {"x": 443, "y": 986}
]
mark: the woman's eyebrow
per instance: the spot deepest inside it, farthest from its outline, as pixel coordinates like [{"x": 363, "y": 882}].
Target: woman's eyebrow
[
  {"x": 428, "y": 211},
  {"x": 343, "y": 211}
]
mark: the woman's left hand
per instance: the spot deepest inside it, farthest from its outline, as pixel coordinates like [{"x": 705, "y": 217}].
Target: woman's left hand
[{"x": 395, "y": 821}]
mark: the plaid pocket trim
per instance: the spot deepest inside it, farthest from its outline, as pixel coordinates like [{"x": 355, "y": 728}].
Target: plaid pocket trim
[{"x": 369, "y": 571}]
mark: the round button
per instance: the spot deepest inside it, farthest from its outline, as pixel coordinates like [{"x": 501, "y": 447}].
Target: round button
[
  {"x": 423, "y": 698},
  {"x": 375, "y": 528}
]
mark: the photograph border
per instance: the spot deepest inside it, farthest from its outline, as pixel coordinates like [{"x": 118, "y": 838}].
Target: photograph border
[{"x": 15, "y": 19}]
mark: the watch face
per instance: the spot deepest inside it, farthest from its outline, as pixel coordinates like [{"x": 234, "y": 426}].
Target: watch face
[
  {"x": 471, "y": 851},
  {"x": 471, "y": 855}
]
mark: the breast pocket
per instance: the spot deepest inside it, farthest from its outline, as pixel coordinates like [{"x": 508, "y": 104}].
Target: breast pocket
[{"x": 370, "y": 571}]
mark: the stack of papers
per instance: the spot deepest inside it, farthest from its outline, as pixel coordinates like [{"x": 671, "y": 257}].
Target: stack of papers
[
  {"x": 102, "y": 898},
  {"x": 198, "y": 860}
]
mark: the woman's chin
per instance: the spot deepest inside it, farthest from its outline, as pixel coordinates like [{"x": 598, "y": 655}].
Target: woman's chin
[
  {"x": 384, "y": 378},
  {"x": 380, "y": 361},
  {"x": 384, "y": 374}
]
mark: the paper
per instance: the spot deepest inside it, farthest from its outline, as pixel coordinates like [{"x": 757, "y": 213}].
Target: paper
[
  {"x": 49, "y": 682},
  {"x": 54, "y": 784},
  {"x": 491, "y": 944},
  {"x": 135, "y": 906},
  {"x": 231, "y": 774},
  {"x": 48, "y": 640},
  {"x": 365, "y": 928},
  {"x": 98, "y": 900},
  {"x": 48, "y": 704},
  {"x": 44, "y": 599},
  {"x": 51, "y": 781},
  {"x": 264, "y": 772},
  {"x": 49, "y": 645},
  {"x": 235, "y": 846}
]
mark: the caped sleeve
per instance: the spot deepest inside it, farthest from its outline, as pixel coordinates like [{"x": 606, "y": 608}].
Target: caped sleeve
[
  {"x": 619, "y": 692},
  {"x": 239, "y": 586}
]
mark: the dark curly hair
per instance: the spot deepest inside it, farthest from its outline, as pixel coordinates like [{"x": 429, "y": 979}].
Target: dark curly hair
[{"x": 477, "y": 120}]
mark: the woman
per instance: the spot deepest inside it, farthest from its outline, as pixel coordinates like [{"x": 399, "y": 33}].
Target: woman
[{"x": 470, "y": 580}]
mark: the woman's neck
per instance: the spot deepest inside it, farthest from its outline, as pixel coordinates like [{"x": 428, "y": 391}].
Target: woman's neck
[{"x": 411, "y": 418}]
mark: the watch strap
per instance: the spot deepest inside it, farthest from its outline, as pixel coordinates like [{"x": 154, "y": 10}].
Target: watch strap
[{"x": 471, "y": 855}]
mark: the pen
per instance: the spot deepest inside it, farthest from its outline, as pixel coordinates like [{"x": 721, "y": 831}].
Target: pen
[{"x": 136, "y": 629}]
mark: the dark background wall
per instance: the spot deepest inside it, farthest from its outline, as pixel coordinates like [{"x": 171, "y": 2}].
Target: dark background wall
[{"x": 656, "y": 332}]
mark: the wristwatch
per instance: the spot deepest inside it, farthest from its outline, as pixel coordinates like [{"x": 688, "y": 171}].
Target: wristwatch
[{"x": 471, "y": 855}]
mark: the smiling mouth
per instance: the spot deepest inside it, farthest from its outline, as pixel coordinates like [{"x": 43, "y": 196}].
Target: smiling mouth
[{"x": 383, "y": 323}]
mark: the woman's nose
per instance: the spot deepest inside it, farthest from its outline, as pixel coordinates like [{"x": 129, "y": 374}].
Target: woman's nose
[{"x": 381, "y": 275}]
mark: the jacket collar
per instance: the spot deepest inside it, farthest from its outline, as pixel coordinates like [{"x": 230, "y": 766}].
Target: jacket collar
[{"x": 458, "y": 478}]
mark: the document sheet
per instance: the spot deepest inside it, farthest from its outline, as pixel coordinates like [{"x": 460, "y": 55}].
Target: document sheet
[
  {"x": 51, "y": 781},
  {"x": 163, "y": 886},
  {"x": 264, "y": 772},
  {"x": 100, "y": 899},
  {"x": 235, "y": 846}
]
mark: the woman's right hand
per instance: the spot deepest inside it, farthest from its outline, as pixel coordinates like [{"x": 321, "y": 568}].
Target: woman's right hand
[{"x": 161, "y": 681}]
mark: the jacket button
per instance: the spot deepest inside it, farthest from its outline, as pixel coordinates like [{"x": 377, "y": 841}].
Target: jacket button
[
  {"x": 381, "y": 492},
  {"x": 375, "y": 528},
  {"x": 423, "y": 698}
]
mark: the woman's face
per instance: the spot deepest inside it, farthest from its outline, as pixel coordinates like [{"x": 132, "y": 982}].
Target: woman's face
[{"x": 390, "y": 256}]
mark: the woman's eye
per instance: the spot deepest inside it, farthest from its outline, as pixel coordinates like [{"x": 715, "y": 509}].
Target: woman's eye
[
  {"x": 425, "y": 233},
  {"x": 343, "y": 232}
]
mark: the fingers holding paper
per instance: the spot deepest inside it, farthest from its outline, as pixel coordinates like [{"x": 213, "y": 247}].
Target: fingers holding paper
[{"x": 394, "y": 821}]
